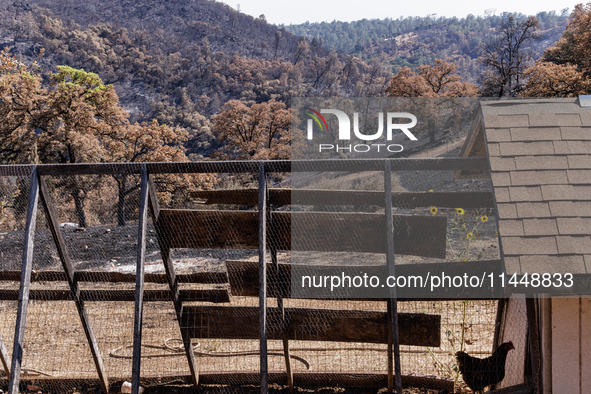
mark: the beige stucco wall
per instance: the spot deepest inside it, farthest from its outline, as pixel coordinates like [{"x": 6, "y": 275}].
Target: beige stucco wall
[{"x": 566, "y": 345}]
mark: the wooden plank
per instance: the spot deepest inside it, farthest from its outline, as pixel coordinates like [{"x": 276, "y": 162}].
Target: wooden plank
[
  {"x": 115, "y": 277},
  {"x": 403, "y": 164},
  {"x": 89, "y": 169},
  {"x": 466, "y": 200},
  {"x": 394, "y": 376},
  {"x": 153, "y": 168},
  {"x": 349, "y": 232},
  {"x": 243, "y": 276},
  {"x": 313, "y": 231},
  {"x": 16, "y": 170},
  {"x": 210, "y": 229},
  {"x": 139, "y": 284},
  {"x": 308, "y": 324},
  {"x": 238, "y": 196},
  {"x": 474, "y": 146},
  {"x": 262, "y": 246},
  {"x": 475, "y": 129},
  {"x": 164, "y": 246},
  {"x": 23, "y": 297},
  {"x": 205, "y": 295},
  {"x": 328, "y": 379},
  {"x": 231, "y": 167},
  {"x": 523, "y": 388},
  {"x": 4, "y": 358},
  {"x": 534, "y": 344},
  {"x": 62, "y": 250},
  {"x": 308, "y": 379}
]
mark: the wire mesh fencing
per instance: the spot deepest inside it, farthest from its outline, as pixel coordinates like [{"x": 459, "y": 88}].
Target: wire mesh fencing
[{"x": 201, "y": 288}]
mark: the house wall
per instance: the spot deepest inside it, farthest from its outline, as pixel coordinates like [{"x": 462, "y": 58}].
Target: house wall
[{"x": 569, "y": 355}]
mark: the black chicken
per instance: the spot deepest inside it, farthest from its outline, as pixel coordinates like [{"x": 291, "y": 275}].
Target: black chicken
[{"x": 479, "y": 373}]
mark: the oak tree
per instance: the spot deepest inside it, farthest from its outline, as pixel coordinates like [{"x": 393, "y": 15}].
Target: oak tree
[
  {"x": 437, "y": 81},
  {"x": 547, "y": 79},
  {"x": 261, "y": 131},
  {"x": 565, "y": 70},
  {"x": 75, "y": 118}
]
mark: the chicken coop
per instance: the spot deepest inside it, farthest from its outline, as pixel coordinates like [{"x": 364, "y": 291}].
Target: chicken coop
[{"x": 183, "y": 277}]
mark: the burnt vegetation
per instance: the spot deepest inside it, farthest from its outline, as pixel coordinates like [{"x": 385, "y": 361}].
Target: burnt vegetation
[
  {"x": 415, "y": 41},
  {"x": 180, "y": 62},
  {"x": 190, "y": 64}
]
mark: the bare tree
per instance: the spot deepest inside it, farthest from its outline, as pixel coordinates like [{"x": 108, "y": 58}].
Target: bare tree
[
  {"x": 507, "y": 55},
  {"x": 278, "y": 36},
  {"x": 301, "y": 51}
]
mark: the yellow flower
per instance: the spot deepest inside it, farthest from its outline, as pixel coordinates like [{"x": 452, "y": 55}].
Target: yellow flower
[
  {"x": 484, "y": 219},
  {"x": 460, "y": 211},
  {"x": 470, "y": 236},
  {"x": 431, "y": 191},
  {"x": 433, "y": 210}
]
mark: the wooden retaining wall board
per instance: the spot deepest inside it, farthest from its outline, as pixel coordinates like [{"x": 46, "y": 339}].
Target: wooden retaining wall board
[
  {"x": 115, "y": 277},
  {"x": 301, "y": 379},
  {"x": 402, "y": 164},
  {"x": 310, "y": 324},
  {"x": 314, "y": 231},
  {"x": 329, "y": 379},
  {"x": 211, "y": 295},
  {"x": 466, "y": 200}
]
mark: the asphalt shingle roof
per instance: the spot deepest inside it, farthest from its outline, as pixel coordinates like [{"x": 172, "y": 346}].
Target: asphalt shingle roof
[{"x": 540, "y": 166}]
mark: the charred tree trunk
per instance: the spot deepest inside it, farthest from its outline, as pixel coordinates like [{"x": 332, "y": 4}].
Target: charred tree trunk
[
  {"x": 122, "y": 183},
  {"x": 431, "y": 126},
  {"x": 79, "y": 204}
]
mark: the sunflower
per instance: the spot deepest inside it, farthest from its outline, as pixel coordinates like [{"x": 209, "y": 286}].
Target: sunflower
[
  {"x": 470, "y": 236},
  {"x": 484, "y": 218},
  {"x": 460, "y": 211},
  {"x": 433, "y": 210}
]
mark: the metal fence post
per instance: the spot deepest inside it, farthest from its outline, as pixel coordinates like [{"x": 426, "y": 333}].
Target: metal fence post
[
  {"x": 139, "y": 283},
  {"x": 263, "y": 278},
  {"x": 23, "y": 295},
  {"x": 394, "y": 378}
]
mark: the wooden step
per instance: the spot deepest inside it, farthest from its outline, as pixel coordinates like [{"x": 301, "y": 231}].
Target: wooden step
[
  {"x": 207, "y": 295},
  {"x": 466, "y": 200},
  {"x": 311, "y": 231},
  {"x": 310, "y": 324}
]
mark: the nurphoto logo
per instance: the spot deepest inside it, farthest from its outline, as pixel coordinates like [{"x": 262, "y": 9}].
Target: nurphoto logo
[{"x": 344, "y": 130}]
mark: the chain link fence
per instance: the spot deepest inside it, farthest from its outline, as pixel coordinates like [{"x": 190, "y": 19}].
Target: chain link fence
[{"x": 201, "y": 284}]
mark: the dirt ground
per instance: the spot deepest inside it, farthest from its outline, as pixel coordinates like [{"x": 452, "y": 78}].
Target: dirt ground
[{"x": 55, "y": 346}]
